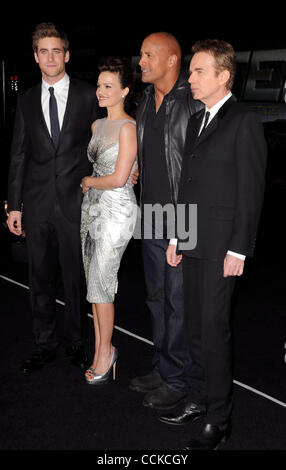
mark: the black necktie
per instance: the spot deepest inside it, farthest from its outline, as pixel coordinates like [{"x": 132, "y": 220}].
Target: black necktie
[
  {"x": 207, "y": 115},
  {"x": 54, "y": 118}
]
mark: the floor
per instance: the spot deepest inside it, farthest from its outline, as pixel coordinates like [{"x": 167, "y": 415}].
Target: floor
[{"x": 56, "y": 410}]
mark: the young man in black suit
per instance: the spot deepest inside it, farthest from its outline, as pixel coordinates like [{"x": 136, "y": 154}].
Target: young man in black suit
[
  {"x": 223, "y": 174},
  {"x": 48, "y": 160}
]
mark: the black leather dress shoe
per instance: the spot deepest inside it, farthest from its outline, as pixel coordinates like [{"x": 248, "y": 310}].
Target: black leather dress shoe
[
  {"x": 77, "y": 356},
  {"x": 185, "y": 414},
  {"x": 210, "y": 438},
  {"x": 38, "y": 360},
  {"x": 163, "y": 397},
  {"x": 146, "y": 383}
]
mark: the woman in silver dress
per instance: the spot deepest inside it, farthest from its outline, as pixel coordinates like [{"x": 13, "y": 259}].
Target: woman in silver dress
[{"x": 108, "y": 209}]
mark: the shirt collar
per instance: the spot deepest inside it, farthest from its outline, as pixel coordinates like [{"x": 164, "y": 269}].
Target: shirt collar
[
  {"x": 171, "y": 92},
  {"x": 215, "y": 108},
  {"x": 58, "y": 86}
]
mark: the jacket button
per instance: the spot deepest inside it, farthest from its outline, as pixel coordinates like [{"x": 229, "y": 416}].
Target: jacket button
[
  {"x": 190, "y": 179},
  {"x": 193, "y": 155}
]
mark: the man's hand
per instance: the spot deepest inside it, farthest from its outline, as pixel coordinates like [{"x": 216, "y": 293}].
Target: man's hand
[
  {"x": 14, "y": 222},
  {"x": 233, "y": 266},
  {"x": 134, "y": 176},
  {"x": 172, "y": 258}
]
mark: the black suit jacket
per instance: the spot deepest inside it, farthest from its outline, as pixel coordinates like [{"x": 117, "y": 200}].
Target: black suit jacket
[
  {"x": 40, "y": 173},
  {"x": 223, "y": 173}
]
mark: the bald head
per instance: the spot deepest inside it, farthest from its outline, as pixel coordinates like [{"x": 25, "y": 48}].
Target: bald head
[
  {"x": 166, "y": 41},
  {"x": 160, "y": 58}
]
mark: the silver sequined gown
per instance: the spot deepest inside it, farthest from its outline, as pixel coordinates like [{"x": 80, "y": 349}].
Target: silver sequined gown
[{"x": 108, "y": 216}]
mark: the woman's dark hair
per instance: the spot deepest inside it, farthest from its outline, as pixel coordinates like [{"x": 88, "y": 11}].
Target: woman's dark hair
[{"x": 123, "y": 67}]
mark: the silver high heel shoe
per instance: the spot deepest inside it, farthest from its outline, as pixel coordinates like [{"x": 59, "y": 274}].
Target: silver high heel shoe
[{"x": 98, "y": 379}]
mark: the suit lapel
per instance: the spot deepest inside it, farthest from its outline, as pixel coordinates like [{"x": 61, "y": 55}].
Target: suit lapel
[
  {"x": 193, "y": 130},
  {"x": 37, "y": 111},
  {"x": 71, "y": 107},
  {"x": 207, "y": 131},
  {"x": 214, "y": 122}
]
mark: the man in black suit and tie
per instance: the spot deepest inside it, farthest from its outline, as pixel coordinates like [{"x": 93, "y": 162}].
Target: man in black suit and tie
[
  {"x": 223, "y": 174},
  {"x": 48, "y": 160}
]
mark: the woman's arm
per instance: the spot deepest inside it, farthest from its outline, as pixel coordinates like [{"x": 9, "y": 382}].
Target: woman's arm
[{"x": 126, "y": 157}]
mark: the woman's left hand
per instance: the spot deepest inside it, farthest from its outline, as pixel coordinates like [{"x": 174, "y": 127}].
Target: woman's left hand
[
  {"x": 85, "y": 184},
  {"x": 134, "y": 176}
]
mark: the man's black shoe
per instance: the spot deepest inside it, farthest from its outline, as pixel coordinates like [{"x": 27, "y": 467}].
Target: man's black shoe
[
  {"x": 163, "y": 397},
  {"x": 185, "y": 414},
  {"x": 210, "y": 438},
  {"x": 38, "y": 360},
  {"x": 146, "y": 383},
  {"x": 77, "y": 356}
]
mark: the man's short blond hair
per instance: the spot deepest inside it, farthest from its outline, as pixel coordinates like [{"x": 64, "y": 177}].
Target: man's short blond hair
[
  {"x": 224, "y": 56},
  {"x": 49, "y": 30}
]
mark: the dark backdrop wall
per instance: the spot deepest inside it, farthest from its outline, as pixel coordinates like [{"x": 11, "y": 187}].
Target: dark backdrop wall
[{"x": 101, "y": 30}]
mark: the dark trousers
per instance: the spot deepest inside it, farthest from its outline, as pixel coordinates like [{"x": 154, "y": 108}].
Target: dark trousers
[
  {"x": 53, "y": 242},
  {"x": 165, "y": 300},
  {"x": 207, "y": 315}
]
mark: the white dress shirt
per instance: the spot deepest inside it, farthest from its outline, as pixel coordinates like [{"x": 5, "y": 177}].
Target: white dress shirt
[
  {"x": 61, "y": 90},
  {"x": 213, "y": 111}
]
